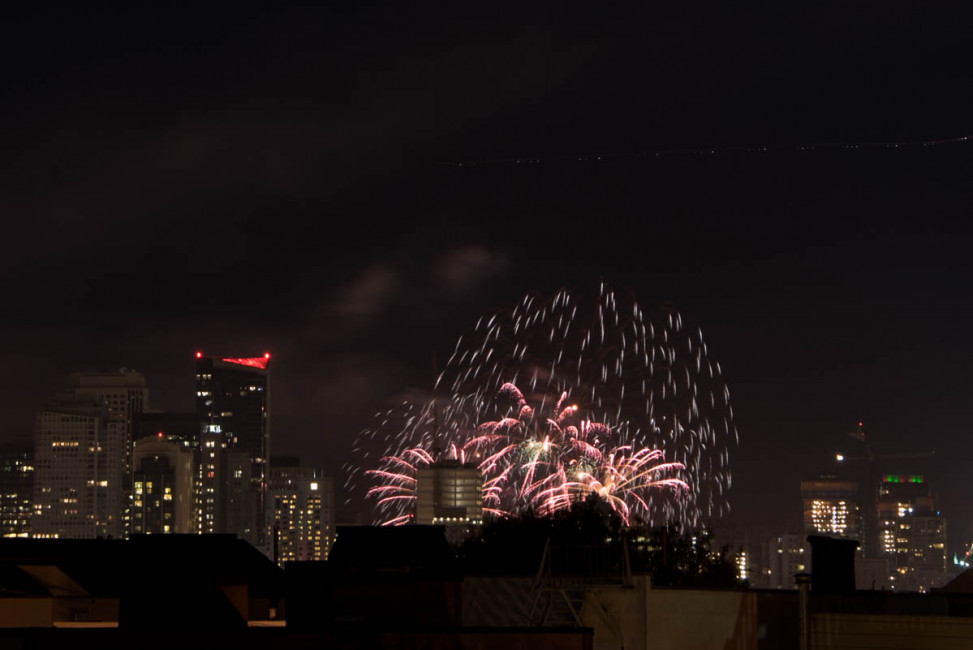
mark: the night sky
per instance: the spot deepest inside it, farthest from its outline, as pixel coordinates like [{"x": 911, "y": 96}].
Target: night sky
[{"x": 287, "y": 180}]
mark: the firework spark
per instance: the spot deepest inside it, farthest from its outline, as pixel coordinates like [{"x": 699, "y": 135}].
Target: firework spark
[
  {"x": 625, "y": 481},
  {"x": 553, "y": 402}
]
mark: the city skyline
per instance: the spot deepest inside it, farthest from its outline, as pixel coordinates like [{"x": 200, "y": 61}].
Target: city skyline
[
  {"x": 794, "y": 181},
  {"x": 832, "y": 464},
  {"x": 895, "y": 518}
]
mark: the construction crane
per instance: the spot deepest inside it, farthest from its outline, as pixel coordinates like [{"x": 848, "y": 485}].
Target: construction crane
[
  {"x": 868, "y": 488},
  {"x": 859, "y": 435}
]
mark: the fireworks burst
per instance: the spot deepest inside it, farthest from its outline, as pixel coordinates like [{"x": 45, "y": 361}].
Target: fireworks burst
[{"x": 553, "y": 402}]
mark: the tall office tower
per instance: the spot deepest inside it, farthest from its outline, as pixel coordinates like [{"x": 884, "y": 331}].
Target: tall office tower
[
  {"x": 449, "y": 492},
  {"x": 16, "y": 489},
  {"x": 162, "y": 483},
  {"x": 831, "y": 508},
  {"x": 300, "y": 511},
  {"x": 233, "y": 397},
  {"x": 78, "y": 472},
  {"x": 125, "y": 395},
  {"x": 224, "y": 491},
  {"x": 912, "y": 531},
  {"x": 209, "y": 481},
  {"x": 238, "y": 497},
  {"x": 185, "y": 430}
]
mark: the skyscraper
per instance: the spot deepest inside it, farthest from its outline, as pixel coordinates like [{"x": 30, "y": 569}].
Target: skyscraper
[
  {"x": 162, "y": 482},
  {"x": 225, "y": 496},
  {"x": 831, "y": 508},
  {"x": 125, "y": 395},
  {"x": 912, "y": 532},
  {"x": 233, "y": 399},
  {"x": 16, "y": 489},
  {"x": 78, "y": 478},
  {"x": 300, "y": 511}
]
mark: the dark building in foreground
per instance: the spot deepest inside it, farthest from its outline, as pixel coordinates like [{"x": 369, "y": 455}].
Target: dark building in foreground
[
  {"x": 403, "y": 588},
  {"x": 157, "y": 585}
]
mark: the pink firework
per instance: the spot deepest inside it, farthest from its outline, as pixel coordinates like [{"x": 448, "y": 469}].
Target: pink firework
[
  {"x": 529, "y": 451},
  {"x": 624, "y": 481},
  {"x": 545, "y": 464},
  {"x": 563, "y": 396},
  {"x": 395, "y": 484}
]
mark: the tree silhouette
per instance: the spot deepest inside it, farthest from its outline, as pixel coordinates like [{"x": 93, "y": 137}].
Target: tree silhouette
[{"x": 516, "y": 546}]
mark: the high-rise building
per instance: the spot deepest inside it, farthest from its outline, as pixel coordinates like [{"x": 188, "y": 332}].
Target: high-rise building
[
  {"x": 449, "y": 492},
  {"x": 786, "y": 554},
  {"x": 16, "y": 488},
  {"x": 300, "y": 511},
  {"x": 125, "y": 395},
  {"x": 238, "y": 497},
  {"x": 204, "y": 441},
  {"x": 912, "y": 532},
  {"x": 78, "y": 469},
  {"x": 162, "y": 483},
  {"x": 224, "y": 491},
  {"x": 831, "y": 508},
  {"x": 233, "y": 399}
]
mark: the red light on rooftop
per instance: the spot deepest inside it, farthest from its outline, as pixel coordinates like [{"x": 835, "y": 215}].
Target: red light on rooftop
[
  {"x": 266, "y": 355},
  {"x": 199, "y": 355},
  {"x": 160, "y": 434},
  {"x": 253, "y": 362}
]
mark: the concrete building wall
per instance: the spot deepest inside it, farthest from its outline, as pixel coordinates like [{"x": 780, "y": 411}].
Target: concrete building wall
[
  {"x": 617, "y": 616},
  {"x": 26, "y": 612},
  {"x": 850, "y": 631},
  {"x": 696, "y": 619},
  {"x": 642, "y": 618}
]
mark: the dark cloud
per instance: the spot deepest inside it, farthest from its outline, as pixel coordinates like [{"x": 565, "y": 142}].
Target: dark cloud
[
  {"x": 367, "y": 295},
  {"x": 463, "y": 270}
]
